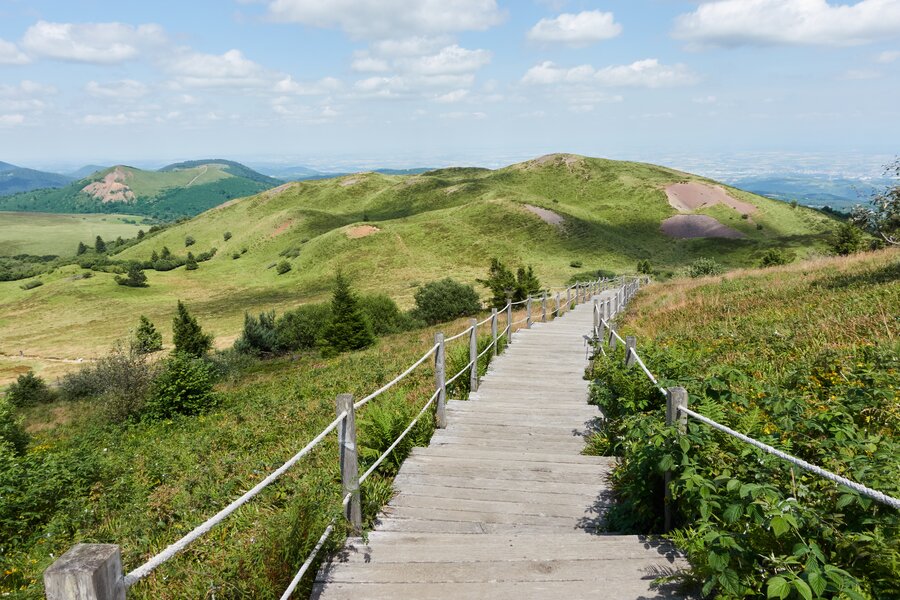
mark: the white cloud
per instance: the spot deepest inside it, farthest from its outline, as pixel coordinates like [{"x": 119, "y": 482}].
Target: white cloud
[
  {"x": 451, "y": 60},
  {"x": 643, "y": 73},
  {"x": 125, "y": 89},
  {"x": 733, "y": 23},
  {"x": 380, "y": 19},
  {"x": 860, "y": 74},
  {"x": 888, "y": 56},
  {"x": 11, "y": 120},
  {"x": 113, "y": 119},
  {"x": 411, "y": 46},
  {"x": 230, "y": 69},
  {"x": 369, "y": 64},
  {"x": 452, "y": 97},
  {"x": 101, "y": 43},
  {"x": 705, "y": 100},
  {"x": 579, "y": 29},
  {"x": 463, "y": 115},
  {"x": 325, "y": 85},
  {"x": 11, "y": 55}
]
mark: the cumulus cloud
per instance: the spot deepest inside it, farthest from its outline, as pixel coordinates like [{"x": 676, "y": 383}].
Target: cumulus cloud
[
  {"x": 452, "y": 60},
  {"x": 647, "y": 73},
  {"x": 732, "y": 23},
  {"x": 11, "y": 120},
  {"x": 887, "y": 57},
  {"x": 326, "y": 85},
  {"x": 113, "y": 119},
  {"x": 231, "y": 69},
  {"x": 125, "y": 89},
  {"x": 380, "y": 19},
  {"x": 100, "y": 43},
  {"x": 11, "y": 55},
  {"x": 579, "y": 29},
  {"x": 452, "y": 97}
]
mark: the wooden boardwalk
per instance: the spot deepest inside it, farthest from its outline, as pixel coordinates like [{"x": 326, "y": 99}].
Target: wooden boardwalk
[{"x": 502, "y": 504}]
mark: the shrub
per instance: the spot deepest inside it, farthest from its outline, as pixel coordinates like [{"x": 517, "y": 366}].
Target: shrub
[
  {"x": 703, "y": 267},
  {"x": 29, "y": 390},
  {"x": 644, "y": 267},
  {"x": 774, "y": 257},
  {"x": 502, "y": 283},
  {"x": 146, "y": 338},
  {"x": 576, "y": 264},
  {"x": 135, "y": 276},
  {"x": 745, "y": 216},
  {"x": 349, "y": 329},
  {"x": 226, "y": 236},
  {"x": 184, "y": 386},
  {"x": 846, "y": 240},
  {"x": 99, "y": 245},
  {"x": 187, "y": 334},
  {"x": 189, "y": 241},
  {"x": 81, "y": 249},
  {"x": 445, "y": 300},
  {"x": 122, "y": 379},
  {"x": 11, "y": 431},
  {"x": 303, "y": 327},
  {"x": 259, "y": 335},
  {"x": 165, "y": 253},
  {"x": 283, "y": 267},
  {"x": 30, "y": 285},
  {"x": 235, "y": 255},
  {"x": 384, "y": 314},
  {"x": 191, "y": 263}
]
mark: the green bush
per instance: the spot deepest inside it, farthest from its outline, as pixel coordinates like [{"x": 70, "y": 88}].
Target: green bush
[
  {"x": 283, "y": 267},
  {"x": 848, "y": 239},
  {"x": 259, "y": 335},
  {"x": 30, "y": 285},
  {"x": 190, "y": 263},
  {"x": 29, "y": 390},
  {"x": 303, "y": 327},
  {"x": 11, "y": 431},
  {"x": 576, "y": 264},
  {"x": 187, "y": 334},
  {"x": 644, "y": 267},
  {"x": 146, "y": 338},
  {"x": 183, "y": 387},
  {"x": 189, "y": 241},
  {"x": 384, "y": 314},
  {"x": 774, "y": 257},
  {"x": 503, "y": 284},
  {"x": 349, "y": 329},
  {"x": 226, "y": 236},
  {"x": 445, "y": 300},
  {"x": 135, "y": 276},
  {"x": 704, "y": 267}
]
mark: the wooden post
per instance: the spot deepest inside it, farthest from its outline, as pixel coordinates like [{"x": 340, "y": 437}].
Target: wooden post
[
  {"x": 86, "y": 572},
  {"x": 543, "y": 307},
  {"x": 612, "y": 337},
  {"x": 676, "y": 397},
  {"x": 509, "y": 324},
  {"x": 568, "y": 297},
  {"x": 528, "y": 313},
  {"x": 349, "y": 462},
  {"x": 558, "y": 314},
  {"x": 597, "y": 317},
  {"x": 630, "y": 344},
  {"x": 440, "y": 382},
  {"x": 473, "y": 355},
  {"x": 494, "y": 330}
]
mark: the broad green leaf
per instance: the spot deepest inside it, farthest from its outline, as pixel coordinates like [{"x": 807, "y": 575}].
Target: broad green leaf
[
  {"x": 817, "y": 583},
  {"x": 733, "y": 513},
  {"x": 778, "y": 588},
  {"x": 684, "y": 443},
  {"x": 717, "y": 561},
  {"x": 803, "y": 589},
  {"x": 779, "y": 525},
  {"x": 733, "y": 484}
]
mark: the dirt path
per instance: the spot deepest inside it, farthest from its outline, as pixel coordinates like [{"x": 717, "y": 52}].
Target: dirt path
[{"x": 199, "y": 175}]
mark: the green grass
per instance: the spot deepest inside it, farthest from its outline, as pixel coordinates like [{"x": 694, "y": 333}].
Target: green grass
[
  {"x": 448, "y": 222},
  {"x": 59, "y": 234}
]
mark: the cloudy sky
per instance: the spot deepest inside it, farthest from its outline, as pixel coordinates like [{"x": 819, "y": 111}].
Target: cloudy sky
[{"x": 424, "y": 81}]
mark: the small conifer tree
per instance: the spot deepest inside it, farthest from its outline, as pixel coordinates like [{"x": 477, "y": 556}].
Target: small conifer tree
[
  {"x": 187, "y": 335},
  {"x": 81, "y": 249},
  {"x": 154, "y": 257},
  {"x": 134, "y": 278},
  {"x": 349, "y": 329},
  {"x": 165, "y": 252},
  {"x": 191, "y": 263},
  {"x": 147, "y": 339},
  {"x": 99, "y": 245}
]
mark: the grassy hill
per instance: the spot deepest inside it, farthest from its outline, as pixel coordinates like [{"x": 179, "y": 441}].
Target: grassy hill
[
  {"x": 392, "y": 233},
  {"x": 44, "y": 233},
  {"x": 178, "y": 190},
  {"x": 15, "y": 179}
]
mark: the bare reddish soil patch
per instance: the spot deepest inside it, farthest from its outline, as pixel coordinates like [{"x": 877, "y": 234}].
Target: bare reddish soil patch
[
  {"x": 354, "y": 233},
  {"x": 697, "y": 226},
  {"x": 547, "y": 216},
  {"x": 687, "y": 197},
  {"x": 282, "y": 228},
  {"x": 348, "y": 181},
  {"x": 112, "y": 188},
  {"x": 276, "y": 190}
]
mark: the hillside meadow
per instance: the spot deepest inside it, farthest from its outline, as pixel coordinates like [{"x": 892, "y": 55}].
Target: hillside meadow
[
  {"x": 59, "y": 234},
  {"x": 391, "y": 234}
]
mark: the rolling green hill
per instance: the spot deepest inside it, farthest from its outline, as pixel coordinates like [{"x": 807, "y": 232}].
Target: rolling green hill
[
  {"x": 15, "y": 179},
  {"x": 178, "y": 190},
  {"x": 393, "y": 233}
]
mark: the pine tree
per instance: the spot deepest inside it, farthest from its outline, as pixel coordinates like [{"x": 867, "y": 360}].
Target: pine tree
[
  {"x": 134, "y": 278},
  {"x": 501, "y": 282},
  {"x": 349, "y": 329},
  {"x": 154, "y": 257},
  {"x": 165, "y": 253},
  {"x": 187, "y": 335},
  {"x": 526, "y": 283},
  {"x": 99, "y": 245},
  {"x": 140, "y": 234},
  {"x": 147, "y": 339},
  {"x": 81, "y": 249},
  {"x": 191, "y": 263}
]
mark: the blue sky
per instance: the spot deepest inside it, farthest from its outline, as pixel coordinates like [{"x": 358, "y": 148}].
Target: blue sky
[{"x": 413, "y": 82}]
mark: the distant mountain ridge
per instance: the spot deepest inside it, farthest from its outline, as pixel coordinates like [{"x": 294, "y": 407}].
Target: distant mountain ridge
[
  {"x": 178, "y": 190},
  {"x": 15, "y": 179}
]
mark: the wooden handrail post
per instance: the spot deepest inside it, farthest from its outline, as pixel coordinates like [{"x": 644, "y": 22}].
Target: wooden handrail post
[
  {"x": 349, "y": 461},
  {"x": 528, "y": 313},
  {"x": 86, "y": 572},
  {"x": 509, "y": 322},
  {"x": 676, "y": 397},
  {"x": 597, "y": 317},
  {"x": 612, "y": 337},
  {"x": 440, "y": 382},
  {"x": 494, "y": 330},
  {"x": 558, "y": 314},
  {"x": 568, "y": 297},
  {"x": 630, "y": 345},
  {"x": 473, "y": 355},
  {"x": 543, "y": 307}
]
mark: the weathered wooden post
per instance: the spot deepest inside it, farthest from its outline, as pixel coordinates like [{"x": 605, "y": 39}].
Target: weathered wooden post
[
  {"x": 676, "y": 397},
  {"x": 473, "y": 355},
  {"x": 543, "y": 307},
  {"x": 568, "y": 297},
  {"x": 612, "y": 337},
  {"x": 86, "y": 572},
  {"x": 494, "y": 330},
  {"x": 509, "y": 321},
  {"x": 528, "y": 313},
  {"x": 349, "y": 462},
  {"x": 440, "y": 382},
  {"x": 597, "y": 318},
  {"x": 558, "y": 314},
  {"x": 630, "y": 344}
]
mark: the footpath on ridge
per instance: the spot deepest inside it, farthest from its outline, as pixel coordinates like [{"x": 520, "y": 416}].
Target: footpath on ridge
[{"x": 502, "y": 504}]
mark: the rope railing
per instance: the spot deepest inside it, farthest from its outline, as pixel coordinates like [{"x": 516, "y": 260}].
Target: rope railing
[{"x": 106, "y": 581}]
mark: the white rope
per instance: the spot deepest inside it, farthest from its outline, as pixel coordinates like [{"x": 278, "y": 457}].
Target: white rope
[
  {"x": 520, "y": 321},
  {"x": 458, "y": 335},
  {"x": 485, "y": 351},
  {"x": 455, "y": 377},
  {"x": 146, "y": 568},
  {"x": 396, "y": 380},
  {"x": 488, "y": 318},
  {"x": 309, "y": 560},
  {"x": 865, "y": 491},
  {"x": 637, "y": 357},
  {"x": 390, "y": 449},
  {"x": 519, "y": 302}
]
